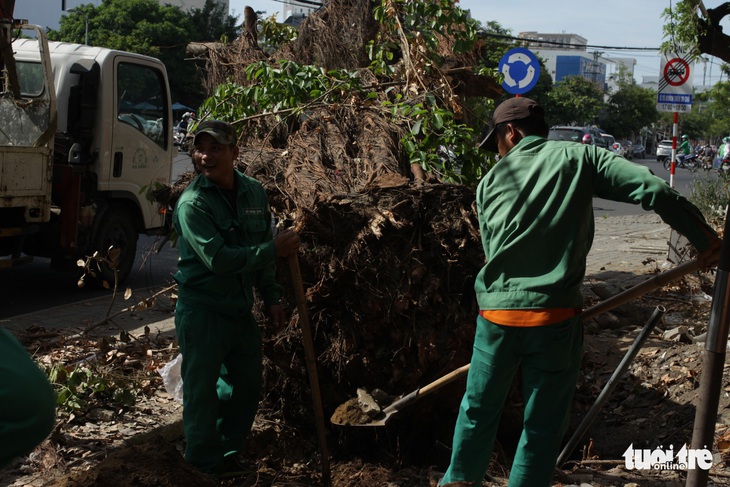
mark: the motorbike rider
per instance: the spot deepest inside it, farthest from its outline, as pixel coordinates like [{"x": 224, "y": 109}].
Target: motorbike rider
[
  {"x": 722, "y": 152},
  {"x": 182, "y": 126},
  {"x": 685, "y": 148}
]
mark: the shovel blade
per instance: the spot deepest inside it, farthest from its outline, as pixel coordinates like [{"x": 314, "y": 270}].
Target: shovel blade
[{"x": 351, "y": 413}]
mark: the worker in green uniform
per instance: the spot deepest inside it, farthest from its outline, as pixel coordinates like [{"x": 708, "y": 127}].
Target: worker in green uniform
[
  {"x": 535, "y": 210},
  {"x": 684, "y": 149},
  {"x": 223, "y": 222},
  {"x": 27, "y": 401}
]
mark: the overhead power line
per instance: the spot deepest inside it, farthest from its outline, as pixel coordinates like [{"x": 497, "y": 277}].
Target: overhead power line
[
  {"x": 567, "y": 45},
  {"x": 303, "y": 2}
]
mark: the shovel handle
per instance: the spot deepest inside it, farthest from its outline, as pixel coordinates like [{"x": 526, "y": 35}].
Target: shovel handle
[
  {"x": 311, "y": 360},
  {"x": 422, "y": 391},
  {"x": 659, "y": 280},
  {"x": 655, "y": 282}
]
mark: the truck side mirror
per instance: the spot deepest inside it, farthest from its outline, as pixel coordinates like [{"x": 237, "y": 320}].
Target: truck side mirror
[{"x": 74, "y": 153}]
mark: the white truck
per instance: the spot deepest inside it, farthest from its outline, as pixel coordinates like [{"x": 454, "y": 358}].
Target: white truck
[{"x": 84, "y": 132}]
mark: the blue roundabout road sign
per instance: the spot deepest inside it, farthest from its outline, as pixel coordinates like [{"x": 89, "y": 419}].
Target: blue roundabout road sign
[{"x": 521, "y": 70}]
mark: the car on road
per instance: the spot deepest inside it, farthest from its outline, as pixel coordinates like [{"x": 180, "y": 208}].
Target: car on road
[
  {"x": 664, "y": 150},
  {"x": 638, "y": 151},
  {"x": 628, "y": 148},
  {"x": 618, "y": 146},
  {"x": 613, "y": 146},
  {"x": 583, "y": 135},
  {"x": 622, "y": 150}
]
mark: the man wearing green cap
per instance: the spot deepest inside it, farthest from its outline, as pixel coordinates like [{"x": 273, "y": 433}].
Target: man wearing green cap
[
  {"x": 226, "y": 248},
  {"x": 535, "y": 209},
  {"x": 684, "y": 149}
]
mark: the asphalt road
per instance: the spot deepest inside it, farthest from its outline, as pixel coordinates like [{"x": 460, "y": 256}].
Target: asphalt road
[
  {"x": 682, "y": 181},
  {"x": 35, "y": 286}
]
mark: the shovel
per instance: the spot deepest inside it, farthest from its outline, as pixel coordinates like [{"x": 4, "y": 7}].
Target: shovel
[
  {"x": 659, "y": 280},
  {"x": 311, "y": 360},
  {"x": 388, "y": 412}
]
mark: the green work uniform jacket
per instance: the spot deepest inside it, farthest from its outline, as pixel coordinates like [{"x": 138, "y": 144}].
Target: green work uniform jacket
[
  {"x": 684, "y": 147},
  {"x": 535, "y": 209},
  {"x": 225, "y": 251}
]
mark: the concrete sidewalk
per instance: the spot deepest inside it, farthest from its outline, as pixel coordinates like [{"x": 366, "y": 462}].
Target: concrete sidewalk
[
  {"x": 621, "y": 244},
  {"x": 79, "y": 316}
]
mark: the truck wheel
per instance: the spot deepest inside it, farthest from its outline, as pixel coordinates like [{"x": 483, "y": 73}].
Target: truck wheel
[{"x": 117, "y": 230}]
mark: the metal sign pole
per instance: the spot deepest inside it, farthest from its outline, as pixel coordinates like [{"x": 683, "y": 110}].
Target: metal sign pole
[
  {"x": 703, "y": 433},
  {"x": 673, "y": 167}
]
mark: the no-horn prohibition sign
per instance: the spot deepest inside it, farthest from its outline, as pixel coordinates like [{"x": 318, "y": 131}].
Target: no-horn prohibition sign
[{"x": 675, "y": 84}]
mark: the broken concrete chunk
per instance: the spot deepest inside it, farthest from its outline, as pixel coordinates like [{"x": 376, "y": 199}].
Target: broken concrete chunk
[
  {"x": 678, "y": 334},
  {"x": 367, "y": 403},
  {"x": 381, "y": 397}
]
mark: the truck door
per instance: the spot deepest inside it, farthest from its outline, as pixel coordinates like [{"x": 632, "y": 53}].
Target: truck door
[{"x": 142, "y": 133}]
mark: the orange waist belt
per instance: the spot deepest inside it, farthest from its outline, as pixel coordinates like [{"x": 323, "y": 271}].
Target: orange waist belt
[{"x": 528, "y": 317}]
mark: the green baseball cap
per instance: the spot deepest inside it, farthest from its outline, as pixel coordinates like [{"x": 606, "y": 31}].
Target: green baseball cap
[{"x": 221, "y": 131}]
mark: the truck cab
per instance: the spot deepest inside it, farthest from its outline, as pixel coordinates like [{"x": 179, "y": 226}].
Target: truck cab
[{"x": 111, "y": 145}]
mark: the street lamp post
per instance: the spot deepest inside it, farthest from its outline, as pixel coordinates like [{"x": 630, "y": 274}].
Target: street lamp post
[{"x": 86, "y": 20}]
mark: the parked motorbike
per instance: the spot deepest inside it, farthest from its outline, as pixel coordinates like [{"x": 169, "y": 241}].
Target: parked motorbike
[
  {"x": 690, "y": 161},
  {"x": 178, "y": 138},
  {"x": 706, "y": 162},
  {"x": 181, "y": 141}
]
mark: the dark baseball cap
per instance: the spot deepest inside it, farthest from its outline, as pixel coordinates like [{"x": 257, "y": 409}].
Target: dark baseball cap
[
  {"x": 517, "y": 108},
  {"x": 221, "y": 131}
]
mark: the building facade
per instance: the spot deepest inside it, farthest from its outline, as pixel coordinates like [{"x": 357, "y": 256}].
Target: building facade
[
  {"x": 190, "y": 4},
  {"x": 567, "y": 55},
  {"x": 295, "y": 11}
]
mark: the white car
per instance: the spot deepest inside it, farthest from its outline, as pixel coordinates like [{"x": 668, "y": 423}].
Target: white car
[{"x": 664, "y": 150}]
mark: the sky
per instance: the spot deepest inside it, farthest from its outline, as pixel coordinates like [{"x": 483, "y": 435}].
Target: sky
[{"x": 627, "y": 23}]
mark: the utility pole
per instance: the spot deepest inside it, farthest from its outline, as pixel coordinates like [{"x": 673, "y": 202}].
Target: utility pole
[
  {"x": 86, "y": 19},
  {"x": 594, "y": 71}
]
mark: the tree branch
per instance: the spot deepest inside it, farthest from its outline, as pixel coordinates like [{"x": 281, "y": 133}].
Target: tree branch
[{"x": 710, "y": 36}]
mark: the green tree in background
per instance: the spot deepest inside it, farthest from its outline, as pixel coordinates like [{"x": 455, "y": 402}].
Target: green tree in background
[
  {"x": 153, "y": 29},
  {"x": 630, "y": 108},
  {"x": 717, "y": 109},
  {"x": 207, "y": 25},
  {"x": 574, "y": 101},
  {"x": 273, "y": 35}
]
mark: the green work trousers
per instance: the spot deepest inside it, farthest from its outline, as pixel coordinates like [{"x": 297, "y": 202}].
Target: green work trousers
[
  {"x": 549, "y": 358},
  {"x": 222, "y": 379},
  {"x": 27, "y": 401}
]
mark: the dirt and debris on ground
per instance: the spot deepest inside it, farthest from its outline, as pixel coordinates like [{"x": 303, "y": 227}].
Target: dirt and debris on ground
[{"x": 106, "y": 443}]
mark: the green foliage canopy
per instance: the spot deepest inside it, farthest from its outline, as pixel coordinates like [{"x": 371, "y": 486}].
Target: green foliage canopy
[
  {"x": 153, "y": 29},
  {"x": 630, "y": 108},
  {"x": 574, "y": 101}
]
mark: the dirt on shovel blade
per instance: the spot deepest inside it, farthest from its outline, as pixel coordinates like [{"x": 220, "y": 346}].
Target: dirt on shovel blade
[
  {"x": 350, "y": 413},
  {"x": 364, "y": 409}
]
